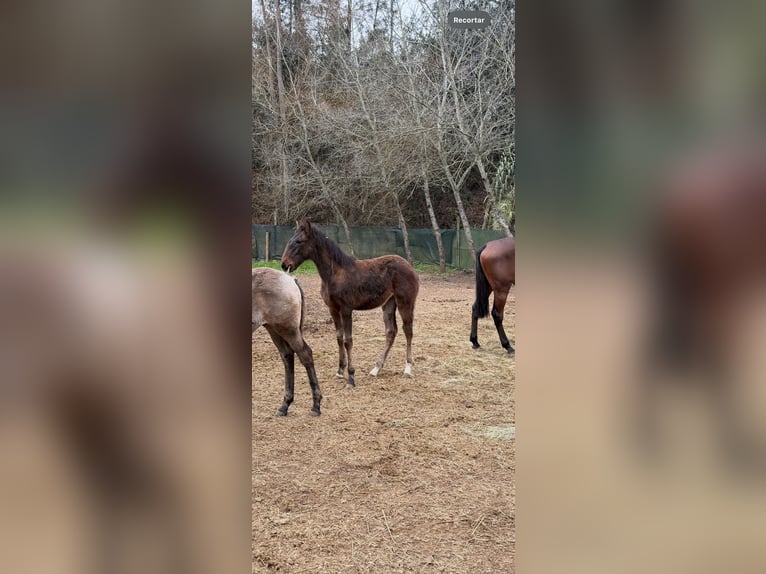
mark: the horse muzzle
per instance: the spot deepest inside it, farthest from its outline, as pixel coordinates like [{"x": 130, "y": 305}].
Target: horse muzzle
[{"x": 286, "y": 267}]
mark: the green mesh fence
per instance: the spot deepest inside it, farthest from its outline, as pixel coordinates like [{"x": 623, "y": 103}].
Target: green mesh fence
[{"x": 375, "y": 241}]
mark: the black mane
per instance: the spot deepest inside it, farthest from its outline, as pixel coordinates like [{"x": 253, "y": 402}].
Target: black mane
[{"x": 332, "y": 248}]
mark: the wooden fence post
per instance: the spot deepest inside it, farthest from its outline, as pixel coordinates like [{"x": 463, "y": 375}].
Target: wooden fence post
[{"x": 268, "y": 246}]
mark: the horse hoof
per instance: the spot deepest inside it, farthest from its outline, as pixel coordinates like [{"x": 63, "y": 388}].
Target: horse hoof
[
  {"x": 339, "y": 375},
  {"x": 408, "y": 370},
  {"x": 315, "y": 413},
  {"x": 374, "y": 372},
  {"x": 282, "y": 413},
  {"x": 350, "y": 386},
  {"x": 511, "y": 351},
  {"x": 476, "y": 345}
]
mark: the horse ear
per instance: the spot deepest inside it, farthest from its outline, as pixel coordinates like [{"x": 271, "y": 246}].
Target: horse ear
[
  {"x": 306, "y": 226},
  {"x": 297, "y": 225}
]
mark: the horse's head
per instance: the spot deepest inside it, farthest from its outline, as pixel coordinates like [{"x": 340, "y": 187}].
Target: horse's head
[{"x": 299, "y": 248}]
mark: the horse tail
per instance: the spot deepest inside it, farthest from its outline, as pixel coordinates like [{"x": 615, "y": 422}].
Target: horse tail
[
  {"x": 303, "y": 302},
  {"x": 482, "y": 288}
]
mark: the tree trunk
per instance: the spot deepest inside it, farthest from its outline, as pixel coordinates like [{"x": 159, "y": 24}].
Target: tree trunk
[
  {"x": 491, "y": 198},
  {"x": 391, "y": 27},
  {"x": 403, "y": 225},
  {"x": 461, "y": 210},
  {"x": 269, "y": 56},
  {"x": 300, "y": 23},
  {"x": 344, "y": 223},
  {"x": 434, "y": 223},
  {"x": 448, "y": 81},
  {"x": 282, "y": 116},
  {"x": 349, "y": 24}
]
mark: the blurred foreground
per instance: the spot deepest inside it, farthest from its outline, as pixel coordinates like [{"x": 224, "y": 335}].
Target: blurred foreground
[
  {"x": 642, "y": 308},
  {"x": 123, "y": 445},
  {"x": 124, "y": 356}
]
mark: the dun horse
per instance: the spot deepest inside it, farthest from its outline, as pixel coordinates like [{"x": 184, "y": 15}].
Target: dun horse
[
  {"x": 348, "y": 284},
  {"x": 278, "y": 305},
  {"x": 495, "y": 273}
]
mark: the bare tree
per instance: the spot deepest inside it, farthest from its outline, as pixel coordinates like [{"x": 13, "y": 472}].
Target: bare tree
[
  {"x": 417, "y": 102},
  {"x": 480, "y": 85},
  {"x": 325, "y": 191},
  {"x": 366, "y": 115}
]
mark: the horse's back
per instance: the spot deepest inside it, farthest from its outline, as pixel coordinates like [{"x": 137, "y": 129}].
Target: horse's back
[
  {"x": 369, "y": 283},
  {"x": 404, "y": 279},
  {"x": 277, "y": 298},
  {"x": 711, "y": 216}
]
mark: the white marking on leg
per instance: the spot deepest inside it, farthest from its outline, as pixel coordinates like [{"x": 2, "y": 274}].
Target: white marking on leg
[
  {"x": 374, "y": 372},
  {"x": 408, "y": 370},
  {"x": 340, "y": 375}
]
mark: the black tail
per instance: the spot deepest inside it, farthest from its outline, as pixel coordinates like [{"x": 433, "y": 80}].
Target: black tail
[
  {"x": 303, "y": 302},
  {"x": 482, "y": 288}
]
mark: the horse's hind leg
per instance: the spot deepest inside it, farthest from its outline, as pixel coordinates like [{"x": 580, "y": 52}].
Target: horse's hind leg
[
  {"x": 306, "y": 357},
  {"x": 498, "y": 308},
  {"x": 407, "y": 313},
  {"x": 288, "y": 358},
  {"x": 349, "y": 343},
  {"x": 336, "y": 319},
  {"x": 474, "y": 327},
  {"x": 389, "y": 318}
]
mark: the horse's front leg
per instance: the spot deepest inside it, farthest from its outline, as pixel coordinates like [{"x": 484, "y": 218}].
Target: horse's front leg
[
  {"x": 498, "y": 308},
  {"x": 349, "y": 344},
  {"x": 336, "y": 319}
]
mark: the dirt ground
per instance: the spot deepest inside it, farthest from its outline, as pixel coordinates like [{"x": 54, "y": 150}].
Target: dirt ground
[{"x": 397, "y": 475}]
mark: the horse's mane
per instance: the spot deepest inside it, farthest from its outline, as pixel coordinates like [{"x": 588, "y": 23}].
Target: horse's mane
[{"x": 333, "y": 249}]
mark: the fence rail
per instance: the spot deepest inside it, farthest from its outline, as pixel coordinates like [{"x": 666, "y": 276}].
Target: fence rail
[{"x": 375, "y": 241}]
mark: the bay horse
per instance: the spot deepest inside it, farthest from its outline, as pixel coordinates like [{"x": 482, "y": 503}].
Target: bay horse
[
  {"x": 495, "y": 273},
  {"x": 350, "y": 284},
  {"x": 708, "y": 258},
  {"x": 278, "y": 305}
]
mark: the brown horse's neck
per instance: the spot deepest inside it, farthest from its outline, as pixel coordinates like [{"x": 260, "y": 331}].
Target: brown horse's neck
[{"x": 328, "y": 255}]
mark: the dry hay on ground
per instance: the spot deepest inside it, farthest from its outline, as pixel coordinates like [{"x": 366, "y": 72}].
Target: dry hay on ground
[{"x": 397, "y": 475}]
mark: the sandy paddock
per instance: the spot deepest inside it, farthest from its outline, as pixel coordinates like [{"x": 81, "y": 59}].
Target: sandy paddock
[{"x": 397, "y": 475}]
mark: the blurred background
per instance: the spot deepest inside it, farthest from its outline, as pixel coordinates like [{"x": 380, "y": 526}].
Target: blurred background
[
  {"x": 124, "y": 169},
  {"x": 124, "y": 254},
  {"x": 640, "y": 172}
]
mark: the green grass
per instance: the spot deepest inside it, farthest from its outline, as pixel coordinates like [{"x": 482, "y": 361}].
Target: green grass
[
  {"x": 308, "y": 268},
  {"x": 431, "y": 269}
]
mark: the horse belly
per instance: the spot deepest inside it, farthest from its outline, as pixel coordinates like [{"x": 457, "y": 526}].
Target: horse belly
[
  {"x": 364, "y": 300},
  {"x": 373, "y": 303},
  {"x": 374, "y": 291}
]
